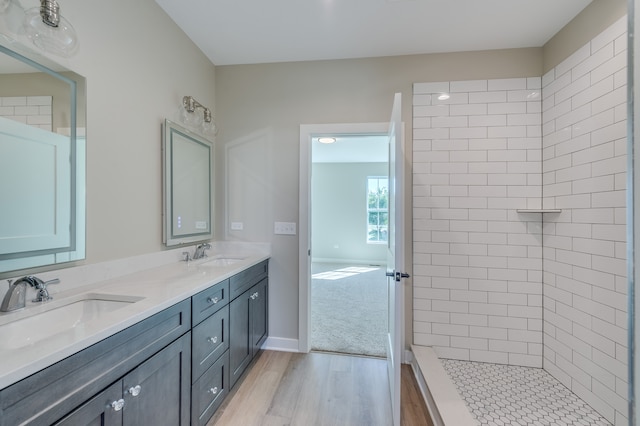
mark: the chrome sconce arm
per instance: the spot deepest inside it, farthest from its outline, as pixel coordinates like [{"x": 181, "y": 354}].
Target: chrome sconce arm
[
  {"x": 190, "y": 104},
  {"x": 203, "y": 124}
]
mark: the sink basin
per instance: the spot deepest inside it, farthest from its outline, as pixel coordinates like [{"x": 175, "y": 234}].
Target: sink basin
[
  {"x": 61, "y": 316},
  {"x": 222, "y": 261}
]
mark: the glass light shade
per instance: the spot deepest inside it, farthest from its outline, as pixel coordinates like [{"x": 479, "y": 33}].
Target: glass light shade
[
  {"x": 192, "y": 120},
  {"x": 61, "y": 40},
  {"x": 4, "y": 4},
  {"x": 209, "y": 129}
]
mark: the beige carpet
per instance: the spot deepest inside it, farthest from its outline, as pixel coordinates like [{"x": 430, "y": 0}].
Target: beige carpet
[{"x": 348, "y": 309}]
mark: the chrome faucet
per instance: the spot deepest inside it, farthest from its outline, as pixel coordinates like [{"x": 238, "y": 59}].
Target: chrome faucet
[
  {"x": 15, "y": 297},
  {"x": 200, "y": 251}
]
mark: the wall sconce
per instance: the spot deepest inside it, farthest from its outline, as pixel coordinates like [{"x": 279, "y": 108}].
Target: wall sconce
[
  {"x": 201, "y": 123},
  {"x": 43, "y": 25}
]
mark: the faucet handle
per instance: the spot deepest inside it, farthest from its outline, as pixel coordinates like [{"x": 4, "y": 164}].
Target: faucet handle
[{"x": 43, "y": 294}]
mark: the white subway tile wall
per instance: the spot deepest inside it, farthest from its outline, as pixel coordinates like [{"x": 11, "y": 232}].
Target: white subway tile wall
[
  {"x": 584, "y": 167},
  {"x": 528, "y": 289},
  {"x": 477, "y": 273},
  {"x": 32, "y": 110}
]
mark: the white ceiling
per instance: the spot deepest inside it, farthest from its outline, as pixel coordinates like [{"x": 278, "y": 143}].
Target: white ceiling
[
  {"x": 261, "y": 31},
  {"x": 351, "y": 149}
]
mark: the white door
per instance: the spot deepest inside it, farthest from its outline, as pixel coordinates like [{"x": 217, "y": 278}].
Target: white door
[{"x": 395, "y": 256}]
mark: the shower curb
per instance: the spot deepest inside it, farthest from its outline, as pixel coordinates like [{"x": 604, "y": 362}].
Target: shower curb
[{"x": 440, "y": 395}]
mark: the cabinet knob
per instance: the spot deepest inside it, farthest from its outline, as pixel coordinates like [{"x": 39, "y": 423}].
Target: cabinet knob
[
  {"x": 213, "y": 339},
  {"x": 135, "y": 390},
  {"x": 213, "y": 300},
  {"x": 214, "y": 390},
  {"x": 117, "y": 405}
]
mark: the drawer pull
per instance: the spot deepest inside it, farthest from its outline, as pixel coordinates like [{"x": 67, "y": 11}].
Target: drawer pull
[
  {"x": 214, "y": 390},
  {"x": 117, "y": 405},
  {"x": 213, "y": 300},
  {"x": 213, "y": 339},
  {"x": 135, "y": 390}
]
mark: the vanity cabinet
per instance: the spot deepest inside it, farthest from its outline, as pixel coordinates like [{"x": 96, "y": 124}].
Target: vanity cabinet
[
  {"x": 227, "y": 337},
  {"x": 151, "y": 394},
  {"x": 154, "y": 354},
  {"x": 248, "y": 318},
  {"x": 210, "y": 352},
  {"x": 174, "y": 368}
]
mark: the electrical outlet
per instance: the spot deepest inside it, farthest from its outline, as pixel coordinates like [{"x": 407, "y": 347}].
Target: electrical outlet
[
  {"x": 237, "y": 226},
  {"x": 284, "y": 228}
]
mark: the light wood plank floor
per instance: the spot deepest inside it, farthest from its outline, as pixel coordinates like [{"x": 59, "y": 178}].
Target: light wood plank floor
[{"x": 318, "y": 389}]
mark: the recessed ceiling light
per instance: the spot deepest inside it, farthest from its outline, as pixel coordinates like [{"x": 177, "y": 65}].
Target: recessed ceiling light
[{"x": 326, "y": 140}]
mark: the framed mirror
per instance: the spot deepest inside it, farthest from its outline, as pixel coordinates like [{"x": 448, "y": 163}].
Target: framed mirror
[
  {"x": 42, "y": 161},
  {"x": 187, "y": 160}
]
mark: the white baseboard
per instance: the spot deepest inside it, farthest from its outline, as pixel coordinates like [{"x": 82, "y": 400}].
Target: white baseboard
[{"x": 281, "y": 344}]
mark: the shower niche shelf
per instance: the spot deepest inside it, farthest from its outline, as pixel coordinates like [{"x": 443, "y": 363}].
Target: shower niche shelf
[{"x": 539, "y": 210}]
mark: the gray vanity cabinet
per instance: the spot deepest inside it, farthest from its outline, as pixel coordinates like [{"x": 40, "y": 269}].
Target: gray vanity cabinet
[
  {"x": 98, "y": 411},
  {"x": 154, "y": 354},
  {"x": 210, "y": 352},
  {"x": 154, "y": 393},
  {"x": 248, "y": 319}
]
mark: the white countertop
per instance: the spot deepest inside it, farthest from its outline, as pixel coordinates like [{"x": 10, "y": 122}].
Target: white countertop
[{"x": 159, "y": 288}]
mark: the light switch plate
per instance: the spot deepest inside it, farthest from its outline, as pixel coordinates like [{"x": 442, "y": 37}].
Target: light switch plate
[
  {"x": 237, "y": 226},
  {"x": 284, "y": 228}
]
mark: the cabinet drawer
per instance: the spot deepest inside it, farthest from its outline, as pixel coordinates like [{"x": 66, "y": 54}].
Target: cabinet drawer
[
  {"x": 209, "y": 391},
  {"x": 210, "y": 339},
  {"x": 244, "y": 280},
  {"x": 209, "y": 301}
]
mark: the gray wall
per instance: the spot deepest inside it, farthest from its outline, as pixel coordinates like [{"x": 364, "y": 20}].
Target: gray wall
[{"x": 339, "y": 213}]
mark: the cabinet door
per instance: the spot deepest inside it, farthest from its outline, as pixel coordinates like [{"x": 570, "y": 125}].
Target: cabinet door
[
  {"x": 104, "y": 409},
  {"x": 240, "y": 348},
  {"x": 158, "y": 392},
  {"x": 258, "y": 302}
]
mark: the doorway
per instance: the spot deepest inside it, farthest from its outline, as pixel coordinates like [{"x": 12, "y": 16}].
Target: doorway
[{"x": 343, "y": 300}]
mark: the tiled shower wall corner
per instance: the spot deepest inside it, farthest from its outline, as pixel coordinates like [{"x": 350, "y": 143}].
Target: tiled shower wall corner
[
  {"x": 584, "y": 174},
  {"x": 32, "y": 110},
  {"x": 481, "y": 154}
]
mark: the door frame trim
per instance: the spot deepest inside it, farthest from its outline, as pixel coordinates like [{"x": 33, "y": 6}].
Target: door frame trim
[{"x": 307, "y": 131}]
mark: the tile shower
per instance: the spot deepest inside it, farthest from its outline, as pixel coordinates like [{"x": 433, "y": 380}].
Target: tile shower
[{"x": 494, "y": 280}]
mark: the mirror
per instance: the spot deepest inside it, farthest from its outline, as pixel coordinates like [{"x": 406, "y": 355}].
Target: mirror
[
  {"x": 187, "y": 160},
  {"x": 42, "y": 160}
]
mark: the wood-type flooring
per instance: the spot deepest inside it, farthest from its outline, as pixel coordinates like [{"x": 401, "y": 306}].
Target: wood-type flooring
[{"x": 319, "y": 389}]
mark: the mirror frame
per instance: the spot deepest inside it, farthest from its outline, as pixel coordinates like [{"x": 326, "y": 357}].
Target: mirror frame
[
  {"x": 76, "y": 249},
  {"x": 173, "y": 135}
]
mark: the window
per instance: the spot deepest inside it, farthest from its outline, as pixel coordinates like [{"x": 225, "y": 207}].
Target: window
[{"x": 377, "y": 209}]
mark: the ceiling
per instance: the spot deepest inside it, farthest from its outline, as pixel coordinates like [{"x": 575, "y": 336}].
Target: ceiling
[
  {"x": 351, "y": 149},
  {"x": 260, "y": 31}
]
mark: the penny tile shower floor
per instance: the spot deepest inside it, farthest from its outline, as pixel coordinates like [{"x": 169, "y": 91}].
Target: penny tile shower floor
[{"x": 509, "y": 395}]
